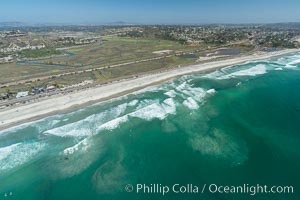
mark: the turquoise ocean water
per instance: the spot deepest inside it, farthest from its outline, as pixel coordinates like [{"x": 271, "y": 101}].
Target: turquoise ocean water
[{"x": 238, "y": 125}]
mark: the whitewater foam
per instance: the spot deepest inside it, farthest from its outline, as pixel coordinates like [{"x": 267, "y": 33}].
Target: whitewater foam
[
  {"x": 223, "y": 73},
  {"x": 82, "y": 145},
  {"x": 5, "y": 151},
  {"x": 171, "y": 93},
  {"x": 155, "y": 110},
  {"x": 133, "y": 102},
  {"x": 289, "y": 66},
  {"x": 76, "y": 129},
  {"x": 186, "y": 90},
  {"x": 113, "y": 123},
  {"x": 73, "y": 160},
  {"x": 295, "y": 62},
  {"x": 191, "y": 103},
  {"x": 211, "y": 91},
  {"x": 253, "y": 71},
  {"x": 18, "y": 154},
  {"x": 213, "y": 75},
  {"x": 89, "y": 125}
]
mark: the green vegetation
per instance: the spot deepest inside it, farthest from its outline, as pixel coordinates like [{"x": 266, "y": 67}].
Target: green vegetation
[
  {"x": 120, "y": 50},
  {"x": 36, "y": 53},
  {"x": 103, "y": 75},
  {"x": 114, "y": 50}
]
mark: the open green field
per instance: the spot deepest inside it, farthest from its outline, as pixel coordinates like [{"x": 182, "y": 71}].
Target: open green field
[
  {"x": 36, "y": 53},
  {"x": 118, "y": 50},
  {"x": 111, "y": 51}
]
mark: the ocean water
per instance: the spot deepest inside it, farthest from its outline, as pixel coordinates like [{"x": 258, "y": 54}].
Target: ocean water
[{"x": 238, "y": 125}]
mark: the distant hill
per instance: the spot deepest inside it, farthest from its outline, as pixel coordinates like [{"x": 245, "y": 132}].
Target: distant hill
[
  {"x": 13, "y": 24},
  {"x": 288, "y": 25},
  {"x": 22, "y": 24}
]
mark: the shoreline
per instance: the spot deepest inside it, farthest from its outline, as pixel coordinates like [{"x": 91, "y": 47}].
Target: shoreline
[{"x": 60, "y": 104}]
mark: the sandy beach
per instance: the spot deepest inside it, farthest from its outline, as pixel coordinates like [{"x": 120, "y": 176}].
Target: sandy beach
[{"x": 63, "y": 103}]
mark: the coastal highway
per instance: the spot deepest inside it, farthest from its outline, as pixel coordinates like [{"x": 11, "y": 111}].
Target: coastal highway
[{"x": 32, "y": 98}]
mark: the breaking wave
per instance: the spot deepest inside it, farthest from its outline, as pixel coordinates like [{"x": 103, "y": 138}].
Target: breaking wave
[
  {"x": 88, "y": 126},
  {"x": 82, "y": 145},
  {"x": 191, "y": 103},
  {"x": 253, "y": 71},
  {"x": 18, "y": 154}
]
